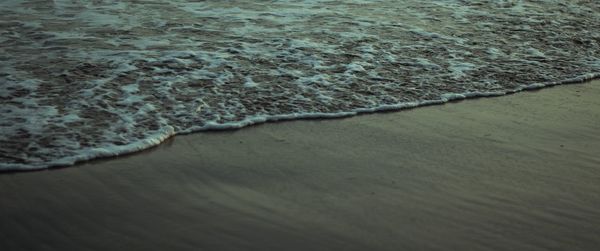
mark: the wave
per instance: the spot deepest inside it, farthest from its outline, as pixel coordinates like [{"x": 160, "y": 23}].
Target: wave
[{"x": 83, "y": 80}]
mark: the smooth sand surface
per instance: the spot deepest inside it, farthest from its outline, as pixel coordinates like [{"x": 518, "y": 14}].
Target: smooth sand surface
[{"x": 519, "y": 172}]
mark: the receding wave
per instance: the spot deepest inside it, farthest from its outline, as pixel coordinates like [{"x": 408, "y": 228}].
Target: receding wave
[{"x": 84, "y": 79}]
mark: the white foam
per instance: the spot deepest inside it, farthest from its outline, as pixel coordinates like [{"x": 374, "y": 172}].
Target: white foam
[
  {"x": 250, "y": 83},
  {"x": 103, "y": 78}
]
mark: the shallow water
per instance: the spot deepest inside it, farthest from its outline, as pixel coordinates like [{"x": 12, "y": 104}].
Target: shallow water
[{"x": 97, "y": 78}]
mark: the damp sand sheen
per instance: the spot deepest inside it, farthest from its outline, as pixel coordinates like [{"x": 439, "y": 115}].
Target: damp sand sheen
[
  {"x": 517, "y": 172},
  {"x": 87, "y": 79},
  {"x": 81, "y": 80}
]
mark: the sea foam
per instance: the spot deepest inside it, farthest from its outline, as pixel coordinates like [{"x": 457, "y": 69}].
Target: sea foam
[{"x": 88, "y": 79}]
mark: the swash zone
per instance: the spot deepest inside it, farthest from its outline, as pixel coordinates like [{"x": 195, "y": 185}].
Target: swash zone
[{"x": 82, "y": 79}]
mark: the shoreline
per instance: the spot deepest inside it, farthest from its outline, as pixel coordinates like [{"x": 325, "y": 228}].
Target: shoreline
[
  {"x": 511, "y": 172},
  {"x": 169, "y": 132}
]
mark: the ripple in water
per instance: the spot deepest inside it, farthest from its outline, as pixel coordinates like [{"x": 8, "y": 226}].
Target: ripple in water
[{"x": 83, "y": 79}]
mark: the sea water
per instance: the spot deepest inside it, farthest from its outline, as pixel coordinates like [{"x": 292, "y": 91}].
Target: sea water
[{"x": 85, "y": 79}]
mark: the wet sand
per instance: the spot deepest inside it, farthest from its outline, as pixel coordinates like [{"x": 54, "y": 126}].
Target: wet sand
[{"x": 519, "y": 172}]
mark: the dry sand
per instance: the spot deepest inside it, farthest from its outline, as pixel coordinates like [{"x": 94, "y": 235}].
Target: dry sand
[{"x": 519, "y": 172}]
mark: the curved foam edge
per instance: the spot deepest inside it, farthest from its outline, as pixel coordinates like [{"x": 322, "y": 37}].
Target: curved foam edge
[
  {"x": 94, "y": 153},
  {"x": 169, "y": 131}
]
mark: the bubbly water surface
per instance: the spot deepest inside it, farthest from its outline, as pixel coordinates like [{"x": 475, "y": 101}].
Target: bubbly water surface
[{"x": 83, "y": 79}]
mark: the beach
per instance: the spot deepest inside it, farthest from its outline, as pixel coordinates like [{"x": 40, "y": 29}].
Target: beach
[
  {"x": 517, "y": 172},
  {"x": 88, "y": 79}
]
